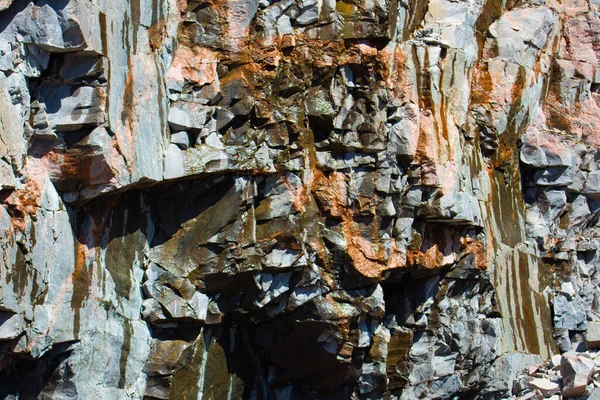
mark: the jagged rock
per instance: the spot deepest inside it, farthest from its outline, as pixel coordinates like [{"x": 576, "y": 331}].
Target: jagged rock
[
  {"x": 554, "y": 176},
  {"x": 591, "y": 188},
  {"x": 181, "y": 139},
  {"x": 309, "y": 13},
  {"x": 186, "y": 115},
  {"x": 317, "y": 103},
  {"x": 568, "y": 313},
  {"x": 223, "y": 118},
  {"x": 507, "y": 367},
  {"x": 7, "y": 179},
  {"x": 69, "y": 108},
  {"x": 11, "y": 325},
  {"x": 174, "y": 163},
  {"x": 545, "y": 386},
  {"x": 81, "y": 65},
  {"x": 533, "y": 156},
  {"x": 48, "y": 28},
  {"x": 576, "y": 371},
  {"x": 404, "y": 138},
  {"x": 164, "y": 357},
  {"x": 568, "y": 289}
]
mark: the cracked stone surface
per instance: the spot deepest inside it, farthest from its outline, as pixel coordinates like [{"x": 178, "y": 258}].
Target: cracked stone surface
[{"x": 291, "y": 199}]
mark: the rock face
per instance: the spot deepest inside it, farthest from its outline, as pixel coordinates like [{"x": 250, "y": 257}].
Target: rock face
[{"x": 297, "y": 199}]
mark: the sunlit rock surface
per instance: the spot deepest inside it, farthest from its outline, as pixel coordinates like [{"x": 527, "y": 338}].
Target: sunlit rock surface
[{"x": 296, "y": 199}]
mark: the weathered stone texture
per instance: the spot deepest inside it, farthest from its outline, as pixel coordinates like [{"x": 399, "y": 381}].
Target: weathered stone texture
[{"x": 284, "y": 199}]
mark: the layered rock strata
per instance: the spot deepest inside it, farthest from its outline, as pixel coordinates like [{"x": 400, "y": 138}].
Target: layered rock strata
[{"x": 291, "y": 199}]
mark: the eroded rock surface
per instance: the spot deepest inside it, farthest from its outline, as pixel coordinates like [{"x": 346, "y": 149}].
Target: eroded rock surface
[{"x": 297, "y": 199}]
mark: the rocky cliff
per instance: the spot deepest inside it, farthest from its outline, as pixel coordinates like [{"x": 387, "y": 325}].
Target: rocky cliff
[{"x": 294, "y": 199}]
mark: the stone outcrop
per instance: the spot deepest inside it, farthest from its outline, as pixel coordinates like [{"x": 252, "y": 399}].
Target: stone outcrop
[{"x": 283, "y": 199}]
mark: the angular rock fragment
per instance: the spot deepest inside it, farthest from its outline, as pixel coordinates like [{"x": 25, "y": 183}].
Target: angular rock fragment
[
  {"x": 591, "y": 187},
  {"x": 11, "y": 325},
  {"x": 181, "y": 139},
  {"x": 184, "y": 115},
  {"x": 546, "y": 387},
  {"x": 593, "y": 335},
  {"x": 576, "y": 371},
  {"x": 69, "y": 108}
]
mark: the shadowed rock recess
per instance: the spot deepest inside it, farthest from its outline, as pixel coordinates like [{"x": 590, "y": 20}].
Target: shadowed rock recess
[{"x": 299, "y": 199}]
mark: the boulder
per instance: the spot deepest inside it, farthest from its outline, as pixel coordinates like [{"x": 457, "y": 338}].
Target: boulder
[{"x": 576, "y": 371}]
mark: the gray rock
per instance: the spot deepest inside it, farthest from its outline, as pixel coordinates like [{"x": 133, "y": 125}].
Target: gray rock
[
  {"x": 373, "y": 377},
  {"x": 576, "y": 371},
  {"x": 11, "y": 325},
  {"x": 446, "y": 387},
  {"x": 284, "y": 26},
  {"x": 569, "y": 313},
  {"x": 595, "y": 395},
  {"x": 580, "y": 211},
  {"x": 593, "y": 335},
  {"x": 174, "y": 162},
  {"x": 181, "y": 139},
  {"x": 69, "y": 108},
  {"x": 51, "y": 29},
  {"x": 506, "y": 368},
  {"x": 7, "y": 178},
  {"x": 81, "y": 65},
  {"x": 562, "y": 158},
  {"x": 152, "y": 311},
  {"x": 223, "y": 118},
  {"x": 568, "y": 289},
  {"x": 184, "y": 116},
  {"x": 591, "y": 188},
  {"x": 578, "y": 181},
  {"x": 403, "y": 138},
  {"x": 533, "y": 156},
  {"x": 521, "y": 32},
  {"x": 350, "y": 218},
  {"x": 308, "y": 15},
  {"x": 554, "y": 176},
  {"x": 271, "y": 287}
]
